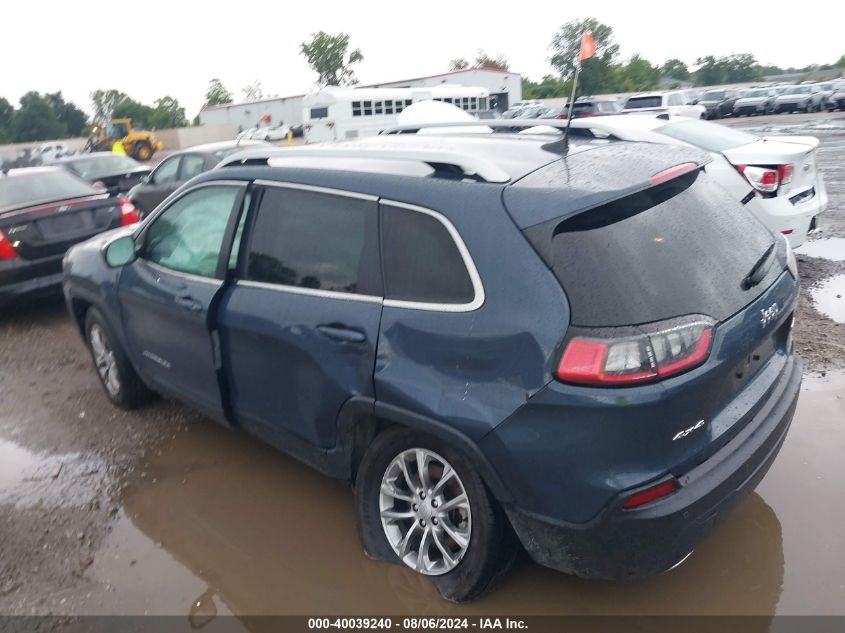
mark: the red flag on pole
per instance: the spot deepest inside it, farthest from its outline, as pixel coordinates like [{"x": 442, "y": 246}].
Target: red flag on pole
[{"x": 588, "y": 46}]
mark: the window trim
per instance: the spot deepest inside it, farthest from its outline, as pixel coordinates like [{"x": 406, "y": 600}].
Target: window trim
[
  {"x": 477, "y": 285},
  {"x": 469, "y": 264}
]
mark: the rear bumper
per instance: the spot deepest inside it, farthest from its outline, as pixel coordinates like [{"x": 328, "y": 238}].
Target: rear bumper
[
  {"x": 20, "y": 278},
  {"x": 625, "y": 544}
]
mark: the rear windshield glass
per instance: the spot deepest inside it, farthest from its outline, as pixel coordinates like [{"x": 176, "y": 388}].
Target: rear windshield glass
[
  {"x": 644, "y": 102},
  {"x": 679, "y": 248},
  {"x": 715, "y": 95},
  {"x": 710, "y": 136},
  {"x": 582, "y": 107},
  {"x": 41, "y": 186},
  {"x": 100, "y": 166}
]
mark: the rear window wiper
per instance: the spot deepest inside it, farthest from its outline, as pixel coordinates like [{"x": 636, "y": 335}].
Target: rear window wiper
[{"x": 759, "y": 270}]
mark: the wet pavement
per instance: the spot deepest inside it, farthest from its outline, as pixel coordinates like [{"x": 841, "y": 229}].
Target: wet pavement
[
  {"x": 829, "y": 298},
  {"x": 221, "y": 520},
  {"x": 161, "y": 511}
]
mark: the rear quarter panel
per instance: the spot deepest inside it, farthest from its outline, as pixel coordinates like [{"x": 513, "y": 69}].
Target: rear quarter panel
[{"x": 471, "y": 370}]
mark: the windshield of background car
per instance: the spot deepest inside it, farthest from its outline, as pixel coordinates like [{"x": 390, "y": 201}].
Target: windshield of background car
[
  {"x": 714, "y": 95},
  {"x": 644, "y": 102},
  {"x": 797, "y": 90},
  {"x": 709, "y": 136},
  {"x": 581, "y": 108},
  {"x": 96, "y": 167},
  {"x": 756, "y": 93},
  {"x": 41, "y": 186}
]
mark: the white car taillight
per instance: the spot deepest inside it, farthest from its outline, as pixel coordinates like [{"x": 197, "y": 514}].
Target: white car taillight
[
  {"x": 761, "y": 178},
  {"x": 767, "y": 179}
]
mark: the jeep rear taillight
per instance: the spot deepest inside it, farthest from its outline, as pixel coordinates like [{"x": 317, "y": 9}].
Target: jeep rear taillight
[
  {"x": 7, "y": 251},
  {"x": 635, "y": 355}
]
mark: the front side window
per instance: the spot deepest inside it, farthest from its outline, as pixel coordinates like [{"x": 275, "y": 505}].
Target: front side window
[
  {"x": 168, "y": 171},
  {"x": 421, "y": 261},
  {"x": 315, "y": 240},
  {"x": 188, "y": 235}
]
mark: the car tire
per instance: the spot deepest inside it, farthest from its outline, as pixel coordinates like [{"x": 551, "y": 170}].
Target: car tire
[
  {"x": 142, "y": 151},
  {"x": 491, "y": 546},
  {"x": 117, "y": 377}
]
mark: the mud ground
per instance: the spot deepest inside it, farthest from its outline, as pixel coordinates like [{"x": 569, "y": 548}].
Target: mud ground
[{"x": 160, "y": 511}]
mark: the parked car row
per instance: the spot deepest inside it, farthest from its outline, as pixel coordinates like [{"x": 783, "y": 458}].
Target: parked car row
[{"x": 711, "y": 104}]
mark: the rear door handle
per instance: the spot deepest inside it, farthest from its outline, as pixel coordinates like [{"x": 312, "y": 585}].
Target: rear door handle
[
  {"x": 341, "y": 333},
  {"x": 188, "y": 303}
]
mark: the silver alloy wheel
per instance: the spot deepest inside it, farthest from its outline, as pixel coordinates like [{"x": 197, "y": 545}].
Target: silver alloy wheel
[
  {"x": 425, "y": 511},
  {"x": 104, "y": 359}
]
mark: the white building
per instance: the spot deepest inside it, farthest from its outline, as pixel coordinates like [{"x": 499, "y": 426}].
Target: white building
[
  {"x": 504, "y": 87},
  {"x": 246, "y": 115}
]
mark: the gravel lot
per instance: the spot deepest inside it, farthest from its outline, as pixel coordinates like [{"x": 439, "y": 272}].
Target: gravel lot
[{"x": 161, "y": 511}]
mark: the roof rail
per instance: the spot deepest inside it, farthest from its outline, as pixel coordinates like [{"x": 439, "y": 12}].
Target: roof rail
[
  {"x": 471, "y": 166},
  {"x": 505, "y": 124}
]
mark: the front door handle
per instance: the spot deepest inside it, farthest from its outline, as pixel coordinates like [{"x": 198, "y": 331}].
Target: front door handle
[
  {"x": 341, "y": 333},
  {"x": 187, "y": 302}
]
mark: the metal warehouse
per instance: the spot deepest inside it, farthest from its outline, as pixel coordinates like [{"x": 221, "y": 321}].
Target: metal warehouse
[{"x": 505, "y": 88}]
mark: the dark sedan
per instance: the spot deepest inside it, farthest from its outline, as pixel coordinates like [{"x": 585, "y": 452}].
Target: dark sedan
[
  {"x": 179, "y": 168},
  {"x": 111, "y": 172},
  {"x": 719, "y": 103},
  {"x": 43, "y": 212}
]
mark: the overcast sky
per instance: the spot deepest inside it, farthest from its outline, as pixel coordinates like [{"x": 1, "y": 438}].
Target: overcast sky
[{"x": 153, "y": 48}]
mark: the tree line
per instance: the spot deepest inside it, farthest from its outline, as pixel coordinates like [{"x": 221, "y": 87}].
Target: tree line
[
  {"x": 41, "y": 117},
  {"x": 607, "y": 73}
]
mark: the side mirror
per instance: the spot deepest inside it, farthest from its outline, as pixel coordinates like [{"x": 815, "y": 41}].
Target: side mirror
[{"x": 120, "y": 252}]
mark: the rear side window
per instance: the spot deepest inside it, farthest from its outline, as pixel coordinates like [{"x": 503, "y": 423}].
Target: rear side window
[
  {"x": 676, "y": 249},
  {"x": 643, "y": 102},
  {"x": 315, "y": 240},
  {"x": 422, "y": 262},
  {"x": 192, "y": 165}
]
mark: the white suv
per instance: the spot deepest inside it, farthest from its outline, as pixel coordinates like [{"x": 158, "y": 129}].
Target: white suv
[{"x": 673, "y": 103}]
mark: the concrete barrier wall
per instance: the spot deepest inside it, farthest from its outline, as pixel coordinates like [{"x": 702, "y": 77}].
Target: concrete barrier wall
[
  {"x": 11, "y": 151},
  {"x": 173, "y": 139}
]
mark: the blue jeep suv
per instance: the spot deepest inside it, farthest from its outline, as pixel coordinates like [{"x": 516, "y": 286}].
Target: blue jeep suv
[{"x": 497, "y": 339}]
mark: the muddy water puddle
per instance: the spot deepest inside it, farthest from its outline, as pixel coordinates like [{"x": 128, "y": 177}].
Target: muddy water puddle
[
  {"x": 29, "y": 478},
  {"x": 828, "y": 248},
  {"x": 829, "y": 298},
  {"x": 222, "y": 524}
]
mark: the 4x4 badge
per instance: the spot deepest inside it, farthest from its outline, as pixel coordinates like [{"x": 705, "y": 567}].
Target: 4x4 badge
[{"x": 686, "y": 432}]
